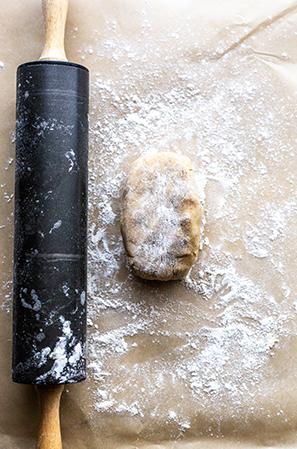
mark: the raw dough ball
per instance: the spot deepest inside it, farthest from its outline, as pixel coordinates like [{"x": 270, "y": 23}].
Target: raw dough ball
[{"x": 161, "y": 217}]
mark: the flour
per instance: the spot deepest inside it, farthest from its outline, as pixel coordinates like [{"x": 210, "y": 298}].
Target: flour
[
  {"x": 248, "y": 212},
  {"x": 66, "y": 355},
  {"x": 56, "y": 225},
  {"x": 206, "y": 342},
  {"x": 161, "y": 217}
]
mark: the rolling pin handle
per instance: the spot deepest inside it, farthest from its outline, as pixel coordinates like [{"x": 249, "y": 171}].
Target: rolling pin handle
[
  {"x": 49, "y": 436},
  {"x": 54, "y": 13}
]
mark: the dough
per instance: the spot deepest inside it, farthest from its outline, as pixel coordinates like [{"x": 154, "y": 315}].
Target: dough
[{"x": 161, "y": 217}]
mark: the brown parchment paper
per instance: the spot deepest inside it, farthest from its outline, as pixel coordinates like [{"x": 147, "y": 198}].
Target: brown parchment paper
[{"x": 208, "y": 362}]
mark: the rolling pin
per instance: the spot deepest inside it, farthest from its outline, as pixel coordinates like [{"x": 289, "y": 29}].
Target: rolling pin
[{"x": 50, "y": 236}]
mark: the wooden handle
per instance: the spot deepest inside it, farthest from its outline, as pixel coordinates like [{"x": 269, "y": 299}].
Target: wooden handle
[
  {"x": 49, "y": 429},
  {"x": 54, "y": 13}
]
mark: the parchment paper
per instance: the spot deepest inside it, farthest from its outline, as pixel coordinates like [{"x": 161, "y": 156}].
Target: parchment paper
[{"x": 208, "y": 362}]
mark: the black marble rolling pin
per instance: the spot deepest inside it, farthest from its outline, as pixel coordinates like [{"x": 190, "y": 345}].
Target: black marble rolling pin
[{"x": 50, "y": 253}]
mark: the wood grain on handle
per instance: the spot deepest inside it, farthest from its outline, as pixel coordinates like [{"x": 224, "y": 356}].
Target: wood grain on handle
[
  {"x": 55, "y": 13},
  {"x": 49, "y": 429}
]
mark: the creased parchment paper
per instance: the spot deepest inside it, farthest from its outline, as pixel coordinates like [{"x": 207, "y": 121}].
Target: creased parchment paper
[{"x": 210, "y": 361}]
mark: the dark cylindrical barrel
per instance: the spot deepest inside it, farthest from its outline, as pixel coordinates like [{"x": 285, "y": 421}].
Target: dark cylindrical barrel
[{"x": 50, "y": 252}]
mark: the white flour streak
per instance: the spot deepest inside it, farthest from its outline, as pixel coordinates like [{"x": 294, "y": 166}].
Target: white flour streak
[{"x": 56, "y": 225}]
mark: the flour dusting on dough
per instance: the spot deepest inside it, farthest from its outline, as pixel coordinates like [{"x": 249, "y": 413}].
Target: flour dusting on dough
[{"x": 161, "y": 217}]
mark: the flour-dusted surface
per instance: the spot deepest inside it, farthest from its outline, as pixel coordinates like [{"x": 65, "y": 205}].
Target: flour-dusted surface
[
  {"x": 161, "y": 217},
  {"x": 210, "y": 361},
  {"x": 202, "y": 356}
]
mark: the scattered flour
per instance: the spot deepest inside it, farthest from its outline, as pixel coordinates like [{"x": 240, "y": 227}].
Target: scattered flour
[
  {"x": 209, "y": 340},
  {"x": 56, "y": 225},
  {"x": 66, "y": 354},
  {"x": 212, "y": 335}
]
